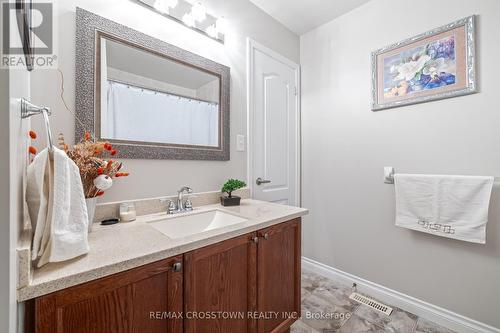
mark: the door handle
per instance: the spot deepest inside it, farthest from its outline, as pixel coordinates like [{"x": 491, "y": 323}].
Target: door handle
[{"x": 260, "y": 181}]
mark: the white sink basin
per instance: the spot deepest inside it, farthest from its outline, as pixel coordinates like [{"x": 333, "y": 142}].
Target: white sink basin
[{"x": 197, "y": 222}]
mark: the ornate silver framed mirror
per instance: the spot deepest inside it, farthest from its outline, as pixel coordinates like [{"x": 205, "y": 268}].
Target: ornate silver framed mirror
[{"x": 152, "y": 100}]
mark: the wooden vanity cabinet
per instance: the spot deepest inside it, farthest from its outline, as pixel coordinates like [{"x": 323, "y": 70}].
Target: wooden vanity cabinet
[
  {"x": 255, "y": 278},
  {"x": 220, "y": 280},
  {"x": 278, "y": 278},
  {"x": 256, "y": 275},
  {"x": 132, "y": 301}
]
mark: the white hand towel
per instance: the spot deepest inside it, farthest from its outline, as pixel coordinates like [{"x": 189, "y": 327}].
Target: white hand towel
[
  {"x": 38, "y": 190},
  {"x": 57, "y": 208},
  {"x": 448, "y": 206}
]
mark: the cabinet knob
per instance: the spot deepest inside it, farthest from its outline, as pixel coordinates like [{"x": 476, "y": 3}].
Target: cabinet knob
[
  {"x": 266, "y": 236},
  {"x": 177, "y": 267},
  {"x": 255, "y": 239}
]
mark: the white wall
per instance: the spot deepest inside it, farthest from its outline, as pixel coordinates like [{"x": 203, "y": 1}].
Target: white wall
[
  {"x": 150, "y": 178},
  {"x": 346, "y": 146}
]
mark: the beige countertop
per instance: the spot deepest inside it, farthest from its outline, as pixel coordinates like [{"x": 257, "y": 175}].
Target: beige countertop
[{"x": 123, "y": 246}]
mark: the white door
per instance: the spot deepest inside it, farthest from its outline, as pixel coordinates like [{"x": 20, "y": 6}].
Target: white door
[{"x": 273, "y": 126}]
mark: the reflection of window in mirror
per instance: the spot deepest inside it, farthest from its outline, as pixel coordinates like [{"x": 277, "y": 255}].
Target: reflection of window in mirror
[{"x": 149, "y": 98}]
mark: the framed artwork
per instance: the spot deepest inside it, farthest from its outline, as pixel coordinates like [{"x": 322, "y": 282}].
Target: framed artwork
[{"x": 434, "y": 65}]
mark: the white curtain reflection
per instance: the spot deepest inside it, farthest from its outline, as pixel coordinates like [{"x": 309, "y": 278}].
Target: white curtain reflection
[{"x": 137, "y": 114}]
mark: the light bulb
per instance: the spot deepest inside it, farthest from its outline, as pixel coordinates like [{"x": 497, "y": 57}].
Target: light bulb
[
  {"x": 161, "y": 6},
  {"x": 221, "y": 25},
  {"x": 212, "y": 31},
  {"x": 164, "y": 6},
  {"x": 172, "y": 3},
  {"x": 199, "y": 12},
  {"x": 188, "y": 20}
]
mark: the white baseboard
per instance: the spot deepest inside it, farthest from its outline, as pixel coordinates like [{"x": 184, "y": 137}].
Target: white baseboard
[{"x": 436, "y": 314}]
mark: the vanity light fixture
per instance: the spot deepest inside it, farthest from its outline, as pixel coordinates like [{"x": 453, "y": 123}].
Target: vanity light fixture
[
  {"x": 199, "y": 12},
  {"x": 212, "y": 31},
  {"x": 221, "y": 25},
  {"x": 161, "y": 6},
  {"x": 191, "y": 15},
  {"x": 172, "y": 3},
  {"x": 189, "y": 20},
  {"x": 218, "y": 27},
  {"x": 164, "y": 6}
]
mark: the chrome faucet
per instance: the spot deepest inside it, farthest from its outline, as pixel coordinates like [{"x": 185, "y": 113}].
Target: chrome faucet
[{"x": 182, "y": 205}]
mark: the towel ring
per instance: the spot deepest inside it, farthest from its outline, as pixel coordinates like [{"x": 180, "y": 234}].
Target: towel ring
[{"x": 28, "y": 109}]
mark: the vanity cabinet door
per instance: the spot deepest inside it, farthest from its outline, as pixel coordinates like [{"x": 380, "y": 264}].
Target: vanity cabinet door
[
  {"x": 138, "y": 300},
  {"x": 220, "y": 281},
  {"x": 278, "y": 281}
]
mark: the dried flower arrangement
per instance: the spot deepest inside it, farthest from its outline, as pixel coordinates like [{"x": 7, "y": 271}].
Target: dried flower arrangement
[
  {"x": 93, "y": 158},
  {"x": 97, "y": 169}
]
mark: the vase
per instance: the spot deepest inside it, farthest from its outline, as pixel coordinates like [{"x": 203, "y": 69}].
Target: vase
[{"x": 91, "y": 204}]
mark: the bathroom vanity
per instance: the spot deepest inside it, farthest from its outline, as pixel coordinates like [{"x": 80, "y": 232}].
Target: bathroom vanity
[
  {"x": 212, "y": 269},
  {"x": 242, "y": 276}
]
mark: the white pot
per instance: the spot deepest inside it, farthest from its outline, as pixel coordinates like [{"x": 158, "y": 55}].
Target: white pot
[{"x": 91, "y": 203}]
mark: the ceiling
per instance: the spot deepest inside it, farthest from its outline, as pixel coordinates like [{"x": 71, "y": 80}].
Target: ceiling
[{"x": 301, "y": 16}]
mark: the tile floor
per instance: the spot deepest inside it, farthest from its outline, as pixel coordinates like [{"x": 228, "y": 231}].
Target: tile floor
[{"x": 326, "y": 308}]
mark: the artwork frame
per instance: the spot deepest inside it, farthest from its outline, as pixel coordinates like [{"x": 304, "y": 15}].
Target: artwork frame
[{"x": 442, "y": 65}]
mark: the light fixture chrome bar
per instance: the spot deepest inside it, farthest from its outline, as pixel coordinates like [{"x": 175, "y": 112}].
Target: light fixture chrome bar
[{"x": 181, "y": 9}]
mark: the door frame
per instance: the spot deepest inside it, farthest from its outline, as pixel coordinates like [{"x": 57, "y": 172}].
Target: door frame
[{"x": 252, "y": 45}]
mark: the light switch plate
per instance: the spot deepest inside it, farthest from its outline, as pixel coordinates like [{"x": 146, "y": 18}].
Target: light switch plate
[{"x": 240, "y": 142}]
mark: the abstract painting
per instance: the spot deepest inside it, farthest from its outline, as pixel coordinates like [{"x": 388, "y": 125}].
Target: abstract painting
[{"x": 435, "y": 65}]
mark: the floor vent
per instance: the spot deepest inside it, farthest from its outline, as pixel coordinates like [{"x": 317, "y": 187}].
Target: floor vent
[{"x": 371, "y": 303}]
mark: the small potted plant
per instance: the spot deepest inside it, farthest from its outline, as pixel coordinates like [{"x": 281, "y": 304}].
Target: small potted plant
[{"x": 230, "y": 186}]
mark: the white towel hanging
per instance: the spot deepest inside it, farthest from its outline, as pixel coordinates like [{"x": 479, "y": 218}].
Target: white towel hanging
[
  {"x": 447, "y": 206},
  {"x": 57, "y": 208}
]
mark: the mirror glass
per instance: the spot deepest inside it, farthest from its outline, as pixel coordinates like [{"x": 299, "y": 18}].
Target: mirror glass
[{"x": 148, "y": 97}]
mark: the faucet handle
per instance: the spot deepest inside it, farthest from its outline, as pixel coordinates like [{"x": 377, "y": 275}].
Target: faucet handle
[
  {"x": 171, "y": 208},
  {"x": 188, "y": 205}
]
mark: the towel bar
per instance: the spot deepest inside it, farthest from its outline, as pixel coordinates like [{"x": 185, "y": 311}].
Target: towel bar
[{"x": 389, "y": 175}]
